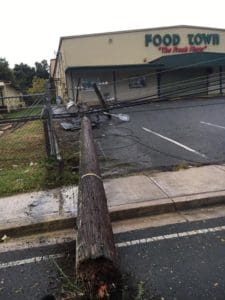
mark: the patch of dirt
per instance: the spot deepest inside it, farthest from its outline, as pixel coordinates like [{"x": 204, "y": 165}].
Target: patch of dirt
[{"x": 68, "y": 143}]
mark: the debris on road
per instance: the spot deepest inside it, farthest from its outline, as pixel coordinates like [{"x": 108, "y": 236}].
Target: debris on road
[
  {"x": 70, "y": 125},
  {"x": 6, "y": 127},
  {"x": 4, "y": 238},
  {"x": 122, "y": 117}
]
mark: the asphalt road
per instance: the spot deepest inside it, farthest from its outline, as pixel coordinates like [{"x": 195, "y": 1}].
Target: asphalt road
[
  {"x": 187, "y": 267},
  {"x": 163, "y": 135},
  {"x": 179, "y": 261},
  {"x": 32, "y": 274}
]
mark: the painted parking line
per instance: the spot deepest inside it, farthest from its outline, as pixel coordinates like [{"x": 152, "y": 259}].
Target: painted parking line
[
  {"x": 213, "y": 125},
  {"x": 101, "y": 149},
  {"x": 175, "y": 142},
  {"x": 118, "y": 245},
  {"x": 30, "y": 260},
  {"x": 170, "y": 236}
]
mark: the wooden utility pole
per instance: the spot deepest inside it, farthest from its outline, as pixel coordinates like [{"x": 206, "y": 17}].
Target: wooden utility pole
[
  {"x": 96, "y": 256},
  {"x": 101, "y": 99}
]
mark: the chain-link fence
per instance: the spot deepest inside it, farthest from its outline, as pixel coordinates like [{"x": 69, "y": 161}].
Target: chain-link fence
[
  {"x": 26, "y": 106},
  {"x": 22, "y": 155},
  {"x": 39, "y": 140},
  {"x": 30, "y": 158}
]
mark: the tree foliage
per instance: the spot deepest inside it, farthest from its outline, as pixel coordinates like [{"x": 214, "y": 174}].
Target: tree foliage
[
  {"x": 6, "y": 73},
  {"x": 38, "y": 85},
  {"x": 24, "y": 77},
  {"x": 42, "y": 69}
]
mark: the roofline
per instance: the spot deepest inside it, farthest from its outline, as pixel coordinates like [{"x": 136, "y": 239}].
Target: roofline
[
  {"x": 127, "y": 31},
  {"x": 137, "y": 30},
  {"x": 113, "y": 67},
  {"x": 198, "y": 64},
  {"x": 8, "y": 82}
]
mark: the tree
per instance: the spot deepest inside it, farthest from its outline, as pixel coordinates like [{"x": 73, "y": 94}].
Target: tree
[
  {"x": 23, "y": 76},
  {"x": 42, "y": 69},
  {"x": 38, "y": 86},
  {"x": 6, "y": 73}
]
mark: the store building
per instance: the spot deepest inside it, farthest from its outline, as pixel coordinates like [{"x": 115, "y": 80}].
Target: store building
[{"x": 159, "y": 63}]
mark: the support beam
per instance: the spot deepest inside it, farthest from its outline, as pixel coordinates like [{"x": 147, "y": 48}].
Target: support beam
[
  {"x": 221, "y": 80},
  {"x": 159, "y": 83},
  {"x": 114, "y": 85}
]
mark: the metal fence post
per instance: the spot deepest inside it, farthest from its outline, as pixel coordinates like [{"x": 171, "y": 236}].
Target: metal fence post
[
  {"x": 46, "y": 132},
  {"x": 48, "y": 126}
]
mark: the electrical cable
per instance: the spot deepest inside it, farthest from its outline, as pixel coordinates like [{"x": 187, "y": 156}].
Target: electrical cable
[
  {"x": 149, "y": 75},
  {"x": 179, "y": 82},
  {"x": 138, "y": 141},
  {"x": 152, "y": 97},
  {"x": 197, "y": 91},
  {"x": 183, "y": 82}
]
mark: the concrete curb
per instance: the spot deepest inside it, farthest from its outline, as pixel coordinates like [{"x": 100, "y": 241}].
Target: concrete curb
[{"x": 121, "y": 212}]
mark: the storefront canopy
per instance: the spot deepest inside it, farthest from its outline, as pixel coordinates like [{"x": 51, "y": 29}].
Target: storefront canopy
[{"x": 190, "y": 60}]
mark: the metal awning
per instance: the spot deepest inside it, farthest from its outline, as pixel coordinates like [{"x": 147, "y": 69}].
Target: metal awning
[{"x": 190, "y": 60}]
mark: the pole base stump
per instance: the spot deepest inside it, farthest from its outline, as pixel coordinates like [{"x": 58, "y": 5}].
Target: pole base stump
[{"x": 100, "y": 277}]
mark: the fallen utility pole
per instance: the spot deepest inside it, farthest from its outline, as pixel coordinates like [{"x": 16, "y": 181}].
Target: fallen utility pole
[
  {"x": 101, "y": 100},
  {"x": 96, "y": 256}
]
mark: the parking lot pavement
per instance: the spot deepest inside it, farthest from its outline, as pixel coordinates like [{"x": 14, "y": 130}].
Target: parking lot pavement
[{"x": 162, "y": 135}]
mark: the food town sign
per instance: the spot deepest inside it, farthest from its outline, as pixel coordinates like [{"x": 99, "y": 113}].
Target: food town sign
[{"x": 169, "y": 43}]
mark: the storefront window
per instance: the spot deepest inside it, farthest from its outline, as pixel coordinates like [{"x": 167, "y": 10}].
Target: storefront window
[
  {"x": 137, "y": 82},
  {"x": 87, "y": 84}
]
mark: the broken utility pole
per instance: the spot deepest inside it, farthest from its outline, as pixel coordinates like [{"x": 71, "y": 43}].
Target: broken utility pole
[
  {"x": 96, "y": 255},
  {"x": 101, "y": 100}
]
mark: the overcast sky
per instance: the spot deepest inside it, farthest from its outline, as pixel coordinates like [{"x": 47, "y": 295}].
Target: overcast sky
[{"x": 30, "y": 29}]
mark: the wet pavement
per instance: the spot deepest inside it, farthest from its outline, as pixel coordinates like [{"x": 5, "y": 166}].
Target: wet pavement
[
  {"x": 32, "y": 279},
  {"x": 187, "y": 267},
  {"x": 127, "y": 197},
  {"x": 163, "y": 135},
  {"x": 177, "y": 261}
]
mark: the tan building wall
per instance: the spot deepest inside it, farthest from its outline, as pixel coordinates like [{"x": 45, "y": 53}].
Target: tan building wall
[
  {"x": 52, "y": 66},
  {"x": 125, "y": 48},
  {"x": 124, "y": 92},
  {"x": 60, "y": 77}
]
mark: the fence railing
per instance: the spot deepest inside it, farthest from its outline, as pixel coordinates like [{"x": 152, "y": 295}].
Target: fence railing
[
  {"x": 21, "y": 106},
  {"x": 29, "y": 153}
]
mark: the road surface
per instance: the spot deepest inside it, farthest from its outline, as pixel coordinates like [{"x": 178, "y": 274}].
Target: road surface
[
  {"x": 162, "y": 135},
  {"x": 161, "y": 257}
]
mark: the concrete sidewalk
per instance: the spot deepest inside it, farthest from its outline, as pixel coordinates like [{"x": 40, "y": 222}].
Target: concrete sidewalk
[{"x": 133, "y": 196}]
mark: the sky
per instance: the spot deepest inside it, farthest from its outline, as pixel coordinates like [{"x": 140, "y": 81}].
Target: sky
[{"x": 31, "y": 29}]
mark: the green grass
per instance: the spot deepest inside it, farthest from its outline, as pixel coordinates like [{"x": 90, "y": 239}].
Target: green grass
[
  {"x": 20, "y": 179},
  {"x": 24, "y": 112},
  {"x": 23, "y": 144},
  {"x": 33, "y": 178},
  {"x": 23, "y": 163},
  {"x": 181, "y": 166}
]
